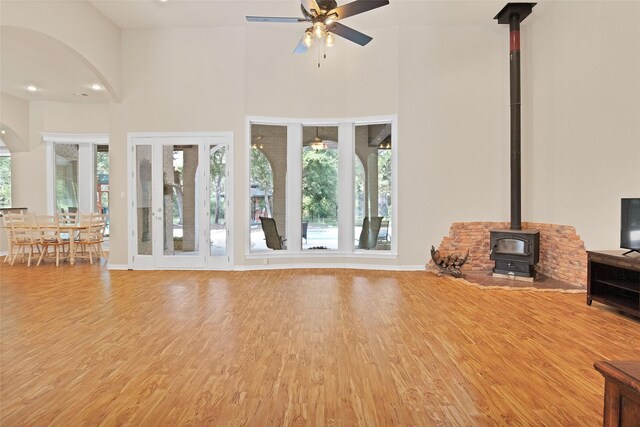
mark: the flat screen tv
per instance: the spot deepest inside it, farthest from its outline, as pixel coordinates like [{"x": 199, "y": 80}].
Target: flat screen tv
[{"x": 630, "y": 225}]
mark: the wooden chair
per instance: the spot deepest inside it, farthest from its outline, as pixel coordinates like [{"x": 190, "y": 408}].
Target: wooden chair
[
  {"x": 89, "y": 241},
  {"x": 24, "y": 235},
  {"x": 369, "y": 234},
  {"x": 68, "y": 218},
  {"x": 9, "y": 217},
  {"x": 50, "y": 236},
  {"x": 273, "y": 239}
]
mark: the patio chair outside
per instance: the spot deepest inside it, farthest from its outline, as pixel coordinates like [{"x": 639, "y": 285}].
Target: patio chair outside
[
  {"x": 273, "y": 239},
  {"x": 369, "y": 234}
]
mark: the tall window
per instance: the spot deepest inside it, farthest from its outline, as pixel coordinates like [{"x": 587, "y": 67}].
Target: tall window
[
  {"x": 5, "y": 177},
  {"x": 329, "y": 186},
  {"x": 373, "y": 187},
  {"x": 102, "y": 181},
  {"x": 268, "y": 172},
  {"x": 320, "y": 187},
  {"x": 67, "y": 177}
]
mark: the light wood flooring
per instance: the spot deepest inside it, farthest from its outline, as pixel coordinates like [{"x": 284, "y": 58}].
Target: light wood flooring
[{"x": 85, "y": 346}]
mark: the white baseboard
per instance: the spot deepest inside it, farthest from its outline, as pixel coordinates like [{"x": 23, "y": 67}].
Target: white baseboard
[{"x": 287, "y": 267}]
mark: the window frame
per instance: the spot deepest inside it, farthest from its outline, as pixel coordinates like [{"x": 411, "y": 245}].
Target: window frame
[{"x": 346, "y": 186}]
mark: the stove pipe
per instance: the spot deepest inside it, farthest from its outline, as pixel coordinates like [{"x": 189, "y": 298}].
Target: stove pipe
[{"x": 513, "y": 14}]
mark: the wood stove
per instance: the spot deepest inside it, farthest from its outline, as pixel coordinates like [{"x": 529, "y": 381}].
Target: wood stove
[{"x": 515, "y": 251}]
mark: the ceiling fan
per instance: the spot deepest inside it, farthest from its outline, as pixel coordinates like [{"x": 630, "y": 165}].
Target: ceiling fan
[{"x": 323, "y": 14}]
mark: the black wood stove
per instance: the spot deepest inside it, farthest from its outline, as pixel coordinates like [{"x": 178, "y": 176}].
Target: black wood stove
[{"x": 515, "y": 251}]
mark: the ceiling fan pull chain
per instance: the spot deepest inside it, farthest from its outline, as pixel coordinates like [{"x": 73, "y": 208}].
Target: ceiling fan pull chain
[{"x": 318, "y": 50}]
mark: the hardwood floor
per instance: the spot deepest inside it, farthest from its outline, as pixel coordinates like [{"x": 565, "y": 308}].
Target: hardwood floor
[{"x": 85, "y": 346}]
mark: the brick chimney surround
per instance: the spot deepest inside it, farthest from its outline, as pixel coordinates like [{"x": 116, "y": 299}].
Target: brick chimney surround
[{"x": 562, "y": 253}]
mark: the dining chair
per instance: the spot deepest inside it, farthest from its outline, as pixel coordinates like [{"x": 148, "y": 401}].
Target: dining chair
[
  {"x": 7, "y": 220},
  {"x": 24, "y": 236},
  {"x": 50, "y": 236},
  {"x": 90, "y": 241}
]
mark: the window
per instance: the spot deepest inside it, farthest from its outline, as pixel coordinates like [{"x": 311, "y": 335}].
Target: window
[
  {"x": 320, "y": 187},
  {"x": 373, "y": 187},
  {"x": 268, "y": 173},
  {"x": 102, "y": 182},
  {"x": 66, "y": 177},
  {"x": 329, "y": 186},
  {"x": 5, "y": 177}
]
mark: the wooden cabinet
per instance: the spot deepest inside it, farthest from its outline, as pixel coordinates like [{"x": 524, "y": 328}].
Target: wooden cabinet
[
  {"x": 621, "y": 393},
  {"x": 614, "y": 279}
]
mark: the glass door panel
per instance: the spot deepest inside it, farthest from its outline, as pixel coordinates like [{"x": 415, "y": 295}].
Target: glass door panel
[
  {"x": 144, "y": 208},
  {"x": 179, "y": 200},
  {"x": 217, "y": 200}
]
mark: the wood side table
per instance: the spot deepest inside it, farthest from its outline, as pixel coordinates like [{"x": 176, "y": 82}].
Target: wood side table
[{"x": 621, "y": 393}]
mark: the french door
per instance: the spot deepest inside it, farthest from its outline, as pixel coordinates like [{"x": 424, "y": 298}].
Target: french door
[{"x": 180, "y": 199}]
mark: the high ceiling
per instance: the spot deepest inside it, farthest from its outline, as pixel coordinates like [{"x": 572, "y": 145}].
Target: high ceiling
[{"x": 31, "y": 58}]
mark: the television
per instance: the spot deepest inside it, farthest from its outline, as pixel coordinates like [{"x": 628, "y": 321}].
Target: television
[{"x": 630, "y": 225}]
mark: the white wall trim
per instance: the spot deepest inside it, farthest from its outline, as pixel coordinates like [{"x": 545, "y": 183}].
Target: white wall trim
[
  {"x": 284, "y": 267},
  {"x": 76, "y": 138},
  {"x": 331, "y": 266}
]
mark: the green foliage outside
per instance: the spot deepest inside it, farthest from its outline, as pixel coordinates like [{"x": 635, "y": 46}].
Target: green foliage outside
[
  {"x": 320, "y": 186},
  {"x": 217, "y": 169},
  {"x": 5, "y": 181},
  {"x": 384, "y": 183}
]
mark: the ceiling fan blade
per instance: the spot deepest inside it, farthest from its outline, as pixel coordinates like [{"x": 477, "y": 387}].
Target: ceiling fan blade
[
  {"x": 274, "y": 19},
  {"x": 350, "y": 34},
  {"x": 358, "y": 6},
  {"x": 301, "y": 48},
  {"x": 310, "y": 5}
]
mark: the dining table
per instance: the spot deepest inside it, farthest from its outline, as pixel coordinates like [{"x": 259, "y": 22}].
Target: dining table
[{"x": 70, "y": 229}]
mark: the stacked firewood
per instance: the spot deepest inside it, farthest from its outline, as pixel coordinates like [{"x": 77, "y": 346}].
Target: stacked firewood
[
  {"x": 451, "y": 261},
  {"x": 449, "y": 264}
]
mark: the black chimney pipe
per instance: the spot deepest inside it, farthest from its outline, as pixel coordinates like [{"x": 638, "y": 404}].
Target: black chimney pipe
[{"x": 513, "y": 14}]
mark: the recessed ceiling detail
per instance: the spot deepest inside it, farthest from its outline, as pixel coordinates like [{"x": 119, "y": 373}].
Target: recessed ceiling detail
[{"x": 55, "y": 71}]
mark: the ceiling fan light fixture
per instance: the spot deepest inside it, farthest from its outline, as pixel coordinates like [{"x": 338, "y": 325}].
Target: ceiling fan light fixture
[
  {"x": 319, "y": 29},
  {"x": 329, "y": 39},
  {"x": 308, "y": 38}
]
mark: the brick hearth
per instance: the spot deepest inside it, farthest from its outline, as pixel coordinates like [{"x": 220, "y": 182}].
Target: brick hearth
[{"x": 562, "y": 254}]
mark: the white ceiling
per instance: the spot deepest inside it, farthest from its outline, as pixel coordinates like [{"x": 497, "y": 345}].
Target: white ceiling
[{"x": 132, "y": 14}]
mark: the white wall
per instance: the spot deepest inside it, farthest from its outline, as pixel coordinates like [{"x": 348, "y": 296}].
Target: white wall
[
  {"x": 581, "y": 126},
  {"x": 447, "y": 82},
  {"x": 29, "y": 168},
  {"x": 14, "y": 113}
]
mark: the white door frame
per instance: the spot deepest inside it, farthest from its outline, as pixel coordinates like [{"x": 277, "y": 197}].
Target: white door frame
[{"x": 203, "y": 260}]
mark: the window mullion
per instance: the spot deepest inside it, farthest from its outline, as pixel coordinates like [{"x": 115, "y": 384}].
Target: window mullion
[
  {"x": 346, "y": 138},
  {"x": 294, "y": 187}
]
